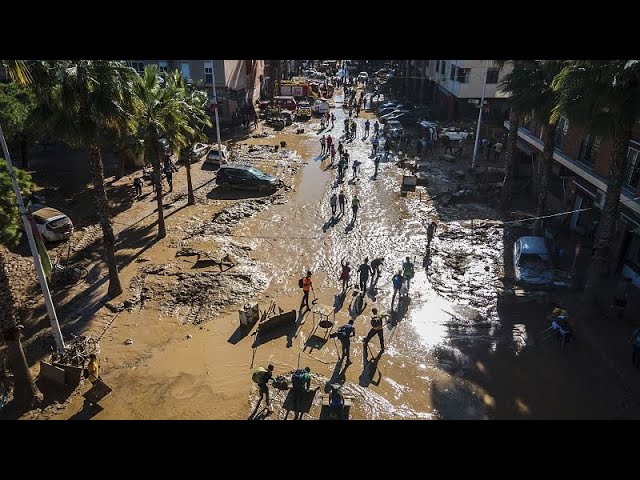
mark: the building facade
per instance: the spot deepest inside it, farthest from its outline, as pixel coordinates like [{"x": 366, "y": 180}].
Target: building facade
[
  {"x": 454, "y": 87},
  {"x": 579, "y": 182},
  {"x": 236, "y": 81}
]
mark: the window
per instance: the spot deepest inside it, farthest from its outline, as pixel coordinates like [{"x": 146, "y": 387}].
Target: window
[
  {"x": 208, "y": 73},
  {"x": 437, "y": 66},
  {"x": 561, "y": 131},
  {"x": 492, "y": 75},
  {"x": 138, "y": 67},
  {"x": 185, "y": 71},
  {"x": 443, "y": 65},
  {"x": 452, "y": 73},
  {"x": 632, "y": 173},
  {"x": 463, "y": 75},
  {"x": 589, "y": 150},
  {"x": 162, "y": 66}
]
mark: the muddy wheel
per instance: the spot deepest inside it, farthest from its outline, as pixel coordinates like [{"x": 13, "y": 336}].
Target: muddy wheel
[
  {"x": 225, "y": 186},
  {"x": 264, "y": 189}
]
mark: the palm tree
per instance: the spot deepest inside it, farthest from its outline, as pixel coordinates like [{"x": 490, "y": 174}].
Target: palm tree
[
  {"x": 83, "y": 101},
  {"x": 18, "y": 71},
  {"x": 195, "y": 108},
  {"x": 604, "y": 97},
  {"x": 160, "y": 113},
  {"x": 530, "y": 86},
  {"x": 25, "y": 392}
]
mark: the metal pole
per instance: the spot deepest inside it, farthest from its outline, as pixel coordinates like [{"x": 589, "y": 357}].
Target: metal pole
[
  {"x": 484, "y": 88},
  {"x": 55, "y": 326},
  {"x": 215, "y": 99}
]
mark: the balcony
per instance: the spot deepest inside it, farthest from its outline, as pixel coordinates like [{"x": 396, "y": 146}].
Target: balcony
[{"x": 628, "y": 197}]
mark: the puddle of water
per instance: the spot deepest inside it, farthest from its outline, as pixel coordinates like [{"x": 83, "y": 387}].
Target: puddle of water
[{"x": 314, "y": 180}]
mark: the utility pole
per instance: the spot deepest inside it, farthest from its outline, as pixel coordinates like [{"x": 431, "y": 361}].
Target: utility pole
[
  {"x": 215, "y": 99},
  {"x": 53, "y": 318},
  {"x": 484, "y": 88}
]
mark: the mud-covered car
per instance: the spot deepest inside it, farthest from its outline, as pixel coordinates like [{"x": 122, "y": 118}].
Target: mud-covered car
[
  {"x": 246, "y": 177},
  {"x": 532, "y": 261},
  {"x": 52, "y": 224}
]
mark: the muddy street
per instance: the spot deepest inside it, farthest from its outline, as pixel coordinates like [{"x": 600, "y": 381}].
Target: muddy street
[{"x": 454, "y": 349}]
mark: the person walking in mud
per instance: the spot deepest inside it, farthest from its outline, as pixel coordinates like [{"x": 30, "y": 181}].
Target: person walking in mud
[
  {"x": 340, "y": 148},
  {"x": 345, "y": 274},
  {"x": 431, "y": 231},
  {"x": 168, "y": 171},
  {"x": 333, "y": 153},
  {"x": 322, "y": 144},
  {"x": 262, "y": 376},
  {"x": 376, "y": 265},
  {"x": 354, "y": 167},
  {"x": 374, "y": 146},
  {"x": 137, "y": 184},
  {"x": 333, "y": 202},
  {"x": 408, "y": 270},
  {"x": 355, "y": 206},
  {"x": 344, "y": 334},
  {"x": 377, "y": 328},
  {"x": 333, "y": 120},
  {"x": 307, "y": 285},
  {"x": 342, "y": 200},
  {"x": 367, "y": 125},
  {"x": 364, "y": 271},
  {"x": 300, "y": 382},
  {"x": 329, "y": 143},
  {"x": 376, "y": 127},
  {"x": 376, "y": 164},
  {"x": 322, "y": 122},
  {"x": 446, "y": 144},
  {"x": 397, "y": 284}
]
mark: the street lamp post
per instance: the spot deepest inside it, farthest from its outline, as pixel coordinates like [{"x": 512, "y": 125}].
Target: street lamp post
[
  {"x": 51, "y": 311},
  {"x": 215, "y": 99},
  {"x": 484, "y": 88}
]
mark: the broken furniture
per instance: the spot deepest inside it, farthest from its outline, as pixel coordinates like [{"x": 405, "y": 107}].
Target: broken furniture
[
  {"x": 249, "y": 314},
  {"x": 271, "y": 320}
]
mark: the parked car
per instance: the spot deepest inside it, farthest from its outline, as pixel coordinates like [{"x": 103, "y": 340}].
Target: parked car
[
  {"x": 393, "y": 128},
  {"x": 386, "y": 111},
  {"x": 218, "y": 158},
  {"x": 241, "y": 176},
  {"x": 320, "y": 107},
  {"x": 52, "y": 224},
  {"x": 392, "y": 115},
  {"x": 288, "y": 116},
  {"x": 409, "y": 118},
  {"x": 532, "y": 261},
  {"x": 304, "y": 110},
  {"x": 195, "y": 153},
  {"x": 454, "y": 133}
]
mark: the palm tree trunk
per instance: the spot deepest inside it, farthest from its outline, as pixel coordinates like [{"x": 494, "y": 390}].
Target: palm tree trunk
[
  {"x": 96, "y": 169},
  {"x": 191, "y": 199},
  {"x": 609, "y": 217},
  {"x": 155, "y": 159},
  {"x": 547, "y": 160},
  {"x": 26, "y": 394},
  {"x": 509, "y": 158}
]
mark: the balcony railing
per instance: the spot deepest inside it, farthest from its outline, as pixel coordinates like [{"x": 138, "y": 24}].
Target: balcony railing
[{"x": 628, "y": 196}]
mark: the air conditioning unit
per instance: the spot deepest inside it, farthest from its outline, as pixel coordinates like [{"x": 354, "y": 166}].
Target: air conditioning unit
[{"x": 599, "y": 200}]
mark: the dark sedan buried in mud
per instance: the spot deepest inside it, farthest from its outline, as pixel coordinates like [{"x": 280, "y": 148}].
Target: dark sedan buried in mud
[{"x": 246, "y": 177}]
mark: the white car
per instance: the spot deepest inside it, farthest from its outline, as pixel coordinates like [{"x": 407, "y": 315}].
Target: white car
[
  {"x": 320, "y": 107},
  {"x": 217, "y": 158},
  {"x": 52, "y": 224},
  {"x": 454, "y": 134},
  {"x": 532, "y": 261}
]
